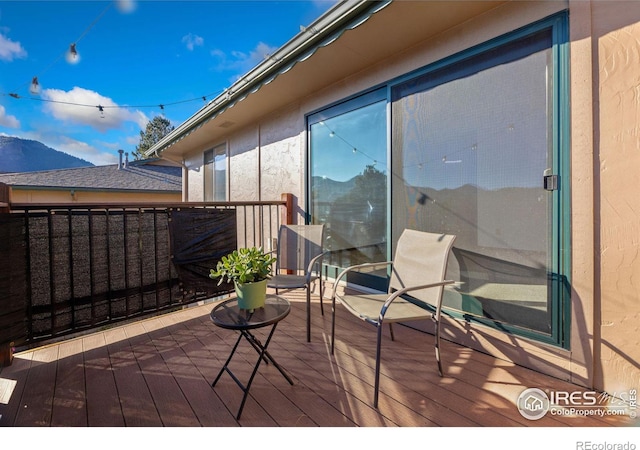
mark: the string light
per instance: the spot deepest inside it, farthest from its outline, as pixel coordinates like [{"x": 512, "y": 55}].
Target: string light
[
  {"x": 102, "y": 108},
  {"x": 35, "y": 86},
  {"x": 354, "y": 150},
  {"x": 73, "y": 57}
]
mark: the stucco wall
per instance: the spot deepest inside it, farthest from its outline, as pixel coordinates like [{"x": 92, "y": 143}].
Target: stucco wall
[
  {"x": 616, "y": 46},
  {"x": 282, "y": 161},
  {"x": 244, "y": 163},
  {"x": 194, "y": 176}
]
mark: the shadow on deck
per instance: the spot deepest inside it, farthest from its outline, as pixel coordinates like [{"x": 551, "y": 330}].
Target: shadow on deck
[{"x": 157, "y": 373}]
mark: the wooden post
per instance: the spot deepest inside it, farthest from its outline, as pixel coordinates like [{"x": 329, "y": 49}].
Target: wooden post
[
  {"x": 6, "y": 348},
  {"x": 287, "y": 214},
  {"x": 6, "y": 354},
  {"x": 5, "y": 198}
]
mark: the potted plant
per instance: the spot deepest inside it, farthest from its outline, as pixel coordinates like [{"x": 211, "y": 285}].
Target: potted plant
[{"x": 248, "y": 269}]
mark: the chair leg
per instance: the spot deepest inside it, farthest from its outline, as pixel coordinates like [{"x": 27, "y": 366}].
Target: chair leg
[
  {"x": 321, "y": 295},
  {"x": 333, "y": 323},
  {"x": 437, "y": 345},
  {"x": 393, "y": 338},
  {"x": 308, "y": 314},
  {"x": 377, "y": 378}
]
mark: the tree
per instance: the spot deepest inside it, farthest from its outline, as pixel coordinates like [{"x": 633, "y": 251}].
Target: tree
[{"x": 156, "y": 129}]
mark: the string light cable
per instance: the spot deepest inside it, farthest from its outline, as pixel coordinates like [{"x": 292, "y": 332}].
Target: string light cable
[
  {"x": 71, "y": 54},
  {"x": 126, "y": 106}
]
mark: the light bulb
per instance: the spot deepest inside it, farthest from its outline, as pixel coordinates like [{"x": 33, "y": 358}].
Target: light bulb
[
  {"x": 73, "y": 57},
  {"x": 126, "y": 6},
  {"x": 35, "y": 86}
]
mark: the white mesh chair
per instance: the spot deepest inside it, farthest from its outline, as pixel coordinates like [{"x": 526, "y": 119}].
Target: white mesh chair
[
  {"x": 299, "y": 263},
  {"x": 418, "y": 270}
]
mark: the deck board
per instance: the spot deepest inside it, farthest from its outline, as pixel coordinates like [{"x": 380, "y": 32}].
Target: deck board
[
  {"x": 103, "y": 404},
  {"x": 69, "y": 406},
  {"x": 37, "y": 398},
  {"x": 138, "y": 407},
  {"x": 158, "y": 372}
]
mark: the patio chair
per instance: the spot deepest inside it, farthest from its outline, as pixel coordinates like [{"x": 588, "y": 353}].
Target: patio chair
[
  {"x": 299, "y": 263},
  {"x": 418, "y": 269}
]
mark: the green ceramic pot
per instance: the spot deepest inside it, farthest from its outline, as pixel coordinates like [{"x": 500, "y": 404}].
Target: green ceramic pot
[{"x": 251, "y": 295}]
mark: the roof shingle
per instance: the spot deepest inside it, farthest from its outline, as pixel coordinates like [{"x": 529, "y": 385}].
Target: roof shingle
[{"x": 137, "y": 176}]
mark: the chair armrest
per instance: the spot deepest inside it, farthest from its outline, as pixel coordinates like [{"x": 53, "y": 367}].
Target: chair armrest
[
  {"x": 312, "y": 263},
  {"x": 403, "y": 291},
  {"x": 358, "y": 267},
  {"x": 315, "y": 260}
]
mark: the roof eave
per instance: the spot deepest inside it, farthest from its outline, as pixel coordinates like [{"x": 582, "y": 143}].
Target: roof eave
[{"x": 342, "y": 13}]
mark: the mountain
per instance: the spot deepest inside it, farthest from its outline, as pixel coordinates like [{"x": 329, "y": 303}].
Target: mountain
[
  {"x": 327, "y": 190},
  {"x": 23, "y": 155}
]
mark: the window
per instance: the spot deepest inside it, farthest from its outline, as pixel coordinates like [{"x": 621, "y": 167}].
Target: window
[
  {"x": 215, "y": 174},
  {"x": 348, "y": 178}
]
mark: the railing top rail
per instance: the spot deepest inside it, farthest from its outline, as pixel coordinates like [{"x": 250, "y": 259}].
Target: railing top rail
[{"x": 135, "y": 205}]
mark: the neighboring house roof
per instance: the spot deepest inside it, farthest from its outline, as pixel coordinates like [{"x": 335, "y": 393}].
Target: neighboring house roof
[{"x": 137, "y": 176}]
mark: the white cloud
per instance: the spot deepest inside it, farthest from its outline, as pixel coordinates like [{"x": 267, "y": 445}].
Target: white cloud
[
  {"x": 85, "y": 151},
  {"x": 260, "y": 52},
  {"x": 114, "y": 146},
  {"x": 192, "y": 41},
  {"x": 242, "y": 62},
  {"x": 10, "y": 49},
  {"x": 133, "y": 140},
  {"x": 219, "y": 56},
  {"x": 81, "y": 106},
  {"x": 7, "y": 120}
]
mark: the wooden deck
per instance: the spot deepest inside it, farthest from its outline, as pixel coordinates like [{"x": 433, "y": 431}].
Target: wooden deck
[{"x": 157, "y": 372}]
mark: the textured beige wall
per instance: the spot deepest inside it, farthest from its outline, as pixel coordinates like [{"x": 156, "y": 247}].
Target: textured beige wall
[
  {"x": 244, "y": 165},
  {"x": 581, "y": 369},
  {"x": 616, "y": 44},
  {"x": 282, "y": 157}
]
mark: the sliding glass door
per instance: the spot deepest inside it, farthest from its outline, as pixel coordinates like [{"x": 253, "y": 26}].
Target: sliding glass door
[
  {"x": 475, "y": 154},
  {"x": 472, "y": 145},
  {"x": 348, "y": 172}
]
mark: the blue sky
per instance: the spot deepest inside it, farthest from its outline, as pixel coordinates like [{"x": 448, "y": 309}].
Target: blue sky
[{"x": 133, "y": 57}]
